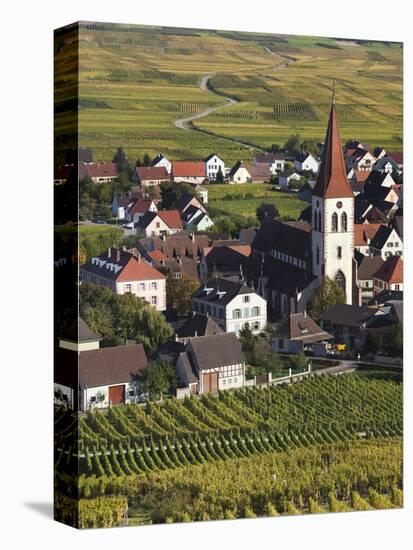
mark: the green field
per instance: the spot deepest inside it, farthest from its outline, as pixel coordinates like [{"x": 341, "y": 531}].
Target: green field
[
  {"x": 244, "y": 199},
  {"x": 136, "y": 81}
]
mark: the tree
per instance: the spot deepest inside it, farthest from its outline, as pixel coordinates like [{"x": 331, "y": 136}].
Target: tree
[
  {"x": 325, "y": 296},
  {"x": 275, "y": 148},
  {"x": 299, "y": 362},
  {"x": 311, "y": 146},
  {"x": 374, "y": 343},
  {"x": 393, "y": 343},
  {"x": 120, "y": 316},
  {"x": 220, "y": 176},
  {"x": 170, "y": 193},
  {"x": 292, "y": 145},
  {"x": 247, "y": 339},
  {"x": 122, "y": 162},
  {"x": 158, "y": 379},
  {"x": 266, "y": 210},
  {"x": 179, "y": 293},
  {"x": 146, "y": 160}
]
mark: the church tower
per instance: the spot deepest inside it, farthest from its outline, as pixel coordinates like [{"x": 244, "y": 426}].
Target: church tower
[{"x": 332, "y": 235}]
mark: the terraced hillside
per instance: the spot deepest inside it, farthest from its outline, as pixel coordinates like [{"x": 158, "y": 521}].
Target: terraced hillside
[{"x": 135, "y": 82}]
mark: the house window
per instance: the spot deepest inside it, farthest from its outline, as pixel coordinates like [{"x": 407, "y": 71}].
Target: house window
[
  {"x": 154, "y": 286},
  {"x": 256, "y": 325},
  {"x": 255, "y": 311},
  {"x": 343, "y": 221},
  {"x": 334, "y": 222},
  {"x": 128, "y": 288},
  {"x": 235, "y": 380},
  {"x": 339, "y": 251},
  {"x": 246, "y": 299},
  {"x": 246, "y": 311},
  {"x": 390, "y": 245},
  {"x": 236, "y": 314},
  {"x": 281, "y": 343},
  {"x": 142, "y": 287},
  {"x": 158, "y": 224},
  {"x": 387, "y": 254},
  {"x": 154, "y": 300},
  {"x": 396, "y": 287}
]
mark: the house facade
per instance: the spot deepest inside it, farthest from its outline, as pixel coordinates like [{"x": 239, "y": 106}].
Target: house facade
[
  {"x": 122, "y": 272},
  {"x": 299, "y": 333},
  {"x": 239, "y": 173},
  {"x": 148, "y": 176},
  {"x": 212, "y": 363},
  {"x": 276, "y": 161},
  {"x": 160, "y": 161},
  {"x": 231, "y": 304},
  {"x": 99, "y": 172},
  {"x": 305, "y": 162},
  {"x": 188, "y": 171},
  {"x": 213, "y": 166},
  {"x": 161, "y": 222}
]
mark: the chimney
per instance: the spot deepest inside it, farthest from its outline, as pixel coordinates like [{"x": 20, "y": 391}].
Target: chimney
[
  {"x": 118, "y": 255},
  {"x": 192, "y": 236},
  {"x": 196, "y": 334},
  {"x": 163, "y": 237},
  {"x": 109, "y": 252},
  {"x": 124, "y": 248}
]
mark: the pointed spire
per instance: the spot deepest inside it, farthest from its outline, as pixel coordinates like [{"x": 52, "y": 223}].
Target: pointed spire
[
  {"x": 334, "y": 92},
  {"x": 332, "y": 179}
]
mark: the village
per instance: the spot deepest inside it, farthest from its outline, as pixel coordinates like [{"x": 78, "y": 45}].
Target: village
[{"x": 278, "y": 301}]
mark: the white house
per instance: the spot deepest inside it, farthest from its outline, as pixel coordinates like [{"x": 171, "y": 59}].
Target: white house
[
  {"x": 306, "y": 162},
  {"x": 196, "y": 219},
  {"x": 160, "y": 161},
  {"x": 239, "y": 173},
  {"x": 100, "y": 377},
  {"x": 359, "y": 159},
  {"x": 162, "y": 222},
  {"x": 213, "y": 165},
  {"x": 276, "y": 161},
  {"x": 122, "y": 272},
  {"x": 231, "y": 304},
  {"x": 286, "y": 176},
  {"x": 386, "y": 242},
  {"x": 138, "y": 208},
  {"x": 202, "y": 192},
  {"x": 389, "y": 276},
  {"x": 211, "y": 363}
]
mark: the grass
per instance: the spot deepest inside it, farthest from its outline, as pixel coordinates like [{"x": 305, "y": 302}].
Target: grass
[
  {"x": 135, "y": 82},
  {"x": 244, "y": 199}
]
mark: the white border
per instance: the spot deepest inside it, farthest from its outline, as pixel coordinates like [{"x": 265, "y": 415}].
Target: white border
[{"x": 25, "y": 269}]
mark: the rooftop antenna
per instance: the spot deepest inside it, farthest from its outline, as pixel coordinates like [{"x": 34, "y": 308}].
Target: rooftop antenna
[{"x": 334, "y": 91}]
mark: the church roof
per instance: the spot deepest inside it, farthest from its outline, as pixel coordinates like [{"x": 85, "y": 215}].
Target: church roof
[{"x": 332, "y": 180}]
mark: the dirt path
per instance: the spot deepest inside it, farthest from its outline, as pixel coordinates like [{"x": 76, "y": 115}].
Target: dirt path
[{"x": 186, "y": 123}]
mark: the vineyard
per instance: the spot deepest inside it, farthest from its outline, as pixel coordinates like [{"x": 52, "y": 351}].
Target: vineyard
[
  {"x": 357, "y": 475},
  {"x": 134, "y": 84},
  {"x": 131, "y": 439}
]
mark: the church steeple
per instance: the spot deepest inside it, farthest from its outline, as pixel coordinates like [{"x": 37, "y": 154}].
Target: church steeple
[{"x": 332, "y": 179}]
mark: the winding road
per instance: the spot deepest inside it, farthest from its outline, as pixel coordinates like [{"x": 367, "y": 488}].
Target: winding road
[{"x": 186, "y": 123}]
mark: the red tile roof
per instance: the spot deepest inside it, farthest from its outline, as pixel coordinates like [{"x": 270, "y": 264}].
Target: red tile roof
[
  {"x": 172, "y": 218},
  {"x": 396, "y": 156},
  {"x": 152, "y": 173},
  {"x": 158, "y": 256},
  {"x": 332, "y": 179},
  {"x": 188, "y": 169},
  {"x": 100, "y": 169},
  {"x": 126, "y": 267},
  {"x": 364, "y": 232},
  {"x": 140, "y": 206},
  {"x": 391, "y": 271}
]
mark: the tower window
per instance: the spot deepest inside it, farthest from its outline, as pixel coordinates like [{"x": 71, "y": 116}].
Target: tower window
[
  {"x": 318, "y": 255},
  {"x": 315, "y": 225},
  {"x": 339, "y": 252},
  {"x": 343, "y": 221},
  {"x": 334, "y": 222},
  {"x": 319, "y": 221}
]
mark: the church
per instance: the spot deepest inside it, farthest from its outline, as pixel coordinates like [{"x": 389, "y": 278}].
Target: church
[{"x": 289, "y": 259}]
